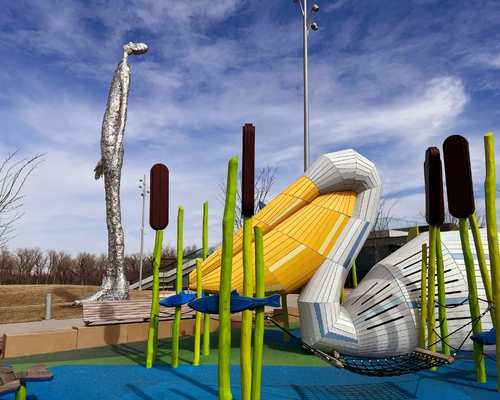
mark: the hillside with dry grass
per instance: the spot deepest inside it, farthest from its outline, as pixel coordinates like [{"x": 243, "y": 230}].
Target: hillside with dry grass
[{"x": 24, "y": 303}]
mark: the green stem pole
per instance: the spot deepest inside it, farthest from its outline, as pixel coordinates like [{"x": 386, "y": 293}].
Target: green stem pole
[
  {"x": 152, "y": 344},
  {"x": 286, "y": 320},
  {"x": 431, "y": 290},
  {"x": 258, "y": 339},
  {"x": 224, "y": 364},
  {"x": 481, "y": 260},
  {"x": 176, "y": 326},
  {"x": 443, "y": 320},
  {"x": 206, "y": 317},
  {"x": 21, "y": 392},
  {"x": 197, "y": 326},
  {"x": 491, "y": 222},
  {"x": 475, "y": 312},
  {"x": 354, "y": 275},
  {"x": 423, "y": 298},
  {"x": 246, "y": 315}
]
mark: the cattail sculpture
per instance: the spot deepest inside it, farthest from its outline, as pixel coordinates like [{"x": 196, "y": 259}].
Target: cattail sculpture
[
  {"x": 461, "y": 205},
  {"x": 224, "y": 364},
  {"x": 434, "y": 214},
  {"x": 247, "y": 208},
  {"x": 492, "y": 230},
  {"x": 206, "y": 316},
  {"x": 158, "y": 220}
]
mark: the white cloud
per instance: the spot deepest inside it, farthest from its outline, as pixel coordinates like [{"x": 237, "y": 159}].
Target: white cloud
[{"x": 196, "y": 87}]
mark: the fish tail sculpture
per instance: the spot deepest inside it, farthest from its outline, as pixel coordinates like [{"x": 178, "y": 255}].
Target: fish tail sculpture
[{"x": 114, "y": 284}]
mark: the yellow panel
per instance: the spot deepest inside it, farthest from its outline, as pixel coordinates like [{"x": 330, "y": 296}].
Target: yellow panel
[{"x": 300, "y": 229}]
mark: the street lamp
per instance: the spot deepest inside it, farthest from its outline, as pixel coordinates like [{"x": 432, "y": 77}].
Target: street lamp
[
  {"x": 144, "y": 193},
  {"x": 307, "y": 25}
]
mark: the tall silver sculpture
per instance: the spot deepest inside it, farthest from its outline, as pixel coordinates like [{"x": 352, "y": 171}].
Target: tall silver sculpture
[{"x": 114, "y": 283}]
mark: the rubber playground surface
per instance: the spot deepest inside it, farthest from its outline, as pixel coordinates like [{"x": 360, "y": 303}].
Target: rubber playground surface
[{"x": 117, "y": 372}]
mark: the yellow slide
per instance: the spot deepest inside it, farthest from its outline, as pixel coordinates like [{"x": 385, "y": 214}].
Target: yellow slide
[{"x": 300, "y": 228}]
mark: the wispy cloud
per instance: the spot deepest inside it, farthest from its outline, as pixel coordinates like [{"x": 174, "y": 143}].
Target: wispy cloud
[{"x": 388, "y": 80}]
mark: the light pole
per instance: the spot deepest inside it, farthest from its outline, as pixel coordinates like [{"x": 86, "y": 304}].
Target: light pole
[
  {"x": 144, "y": 192},
  {"x": 307, "y": 25}
]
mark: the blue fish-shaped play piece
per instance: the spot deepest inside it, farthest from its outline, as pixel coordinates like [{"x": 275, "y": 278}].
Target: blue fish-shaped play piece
[
  {"x": 485, "y": 337},
  {"x": 177, "y": 300},
  {"x": 210, "y": 304}
]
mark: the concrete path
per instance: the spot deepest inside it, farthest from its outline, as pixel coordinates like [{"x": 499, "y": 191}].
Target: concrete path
[{"x": 40, "y": 326}]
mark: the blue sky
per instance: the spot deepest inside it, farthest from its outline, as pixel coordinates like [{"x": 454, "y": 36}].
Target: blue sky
[{"x": 388, "y": 78}]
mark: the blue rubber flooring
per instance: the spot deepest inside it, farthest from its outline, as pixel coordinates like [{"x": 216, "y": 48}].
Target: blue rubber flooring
[{"x": 134, "y": 382}]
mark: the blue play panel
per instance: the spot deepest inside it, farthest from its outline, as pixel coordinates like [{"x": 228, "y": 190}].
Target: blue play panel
[{"x": 133, "y": 382}]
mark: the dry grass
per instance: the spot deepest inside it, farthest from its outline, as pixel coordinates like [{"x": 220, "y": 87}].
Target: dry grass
[{"x": 24, "y": 303}]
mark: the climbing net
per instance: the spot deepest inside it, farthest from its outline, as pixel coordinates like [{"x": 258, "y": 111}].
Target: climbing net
[{"x": 418, "y": 360}]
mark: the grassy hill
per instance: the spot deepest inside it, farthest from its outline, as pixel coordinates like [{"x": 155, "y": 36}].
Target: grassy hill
[{"x": 24, "y": 303}]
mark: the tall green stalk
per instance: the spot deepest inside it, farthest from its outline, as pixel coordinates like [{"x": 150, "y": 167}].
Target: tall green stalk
[
  {"x": 22, "y": 392},
  {"x": 224, "y": 364},
  {"x": 481, "y": 260},
  {"x": 491, "y": 222},
  {"x": 431, "y": 290},
  {"x": 354, "y": 275},
  {"x": 258, "y": 338},
  {"x": 176, "y": 326},
  {"x": 475, "y": 312},
  {"x": 152, "y": 344},
  {"x": 423, "y": 298},
  {"x": 197, "y": 326},
  {"x": 246, "y": 315},
  {"x": 206, "y": 317},
  {"x": 443, "y": 321}
]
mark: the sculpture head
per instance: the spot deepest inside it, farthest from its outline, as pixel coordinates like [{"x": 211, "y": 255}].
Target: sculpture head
[{"x": 135, "y": 48}]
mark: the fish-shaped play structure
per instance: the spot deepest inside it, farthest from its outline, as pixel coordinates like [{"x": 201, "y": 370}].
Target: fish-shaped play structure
[
  {"x": 210, "y": 304},
  {"x": 177, "y": 300},
  {"x": 314, "y": 230}
]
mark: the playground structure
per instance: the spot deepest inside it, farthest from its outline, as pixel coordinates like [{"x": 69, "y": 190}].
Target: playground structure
[{"x": 306, "y": 240}]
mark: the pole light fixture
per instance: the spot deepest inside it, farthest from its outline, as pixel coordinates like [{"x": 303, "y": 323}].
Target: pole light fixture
[
  {"x": 307, "y": 25},
  {"x": 144, "y": 192}
]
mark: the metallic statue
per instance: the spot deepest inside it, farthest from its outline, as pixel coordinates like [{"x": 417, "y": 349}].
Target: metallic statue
[{"x": 114, "y": 284}]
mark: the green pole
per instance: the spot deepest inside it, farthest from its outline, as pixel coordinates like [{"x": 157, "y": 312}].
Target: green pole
[
  {"x": 258, "y": 339},
  {"x": 21, "y": 392},
  {"x": 443, "y": 321},
  {"x": 423, "y": 298},
  {"x": 481, "y": 260},
  {"x": 431, "y": 290},
  {"x": 475, "y": 311},
  {"x": 206, "y": 317},
  {"x": 197, "y": 326},
  {"x": 341, "y": 300},
  {"x": 224, "y": 364},
  {"x": 176, "y": 326},
  {"x": 491, "y": 222},
  {"x": 155, "y": 299},
  {"x": 286, "y": 320},
  {"x": 246, "y": 315},
  {"x": 354, "y": 275}
]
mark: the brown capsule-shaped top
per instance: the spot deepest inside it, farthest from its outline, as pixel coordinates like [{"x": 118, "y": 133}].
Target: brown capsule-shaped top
[
  {"x": 458, "y": 176},
  {"x": 434, "y": 202},
  {"x": 158, "y": 198},
  {"x": 248, "y": 172}
]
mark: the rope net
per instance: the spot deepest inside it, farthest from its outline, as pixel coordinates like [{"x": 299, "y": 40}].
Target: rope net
[{"x": 418, "y": 360}]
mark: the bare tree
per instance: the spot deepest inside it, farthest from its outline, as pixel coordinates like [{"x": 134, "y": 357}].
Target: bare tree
[
  {"x": 13, "y": 175},
  {"x": 264, "y": 180}
]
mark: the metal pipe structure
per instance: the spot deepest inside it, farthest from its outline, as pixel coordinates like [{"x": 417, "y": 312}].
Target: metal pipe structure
[{"x": 306, "y": 89}]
